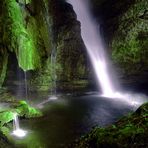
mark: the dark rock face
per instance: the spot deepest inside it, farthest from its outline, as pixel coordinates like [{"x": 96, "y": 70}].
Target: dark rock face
[
  {"x": 66, "y": 62},
  {"x": 70, "y": 50},
  {"x": 3, "y": 53},
  {"x": 129, "y": 131},
  {"x": 125, "y": 25},
  {"x": 4, "y": 143},
  {"x": 45, "y": 38},
  {"x": 35, "y": 32}
]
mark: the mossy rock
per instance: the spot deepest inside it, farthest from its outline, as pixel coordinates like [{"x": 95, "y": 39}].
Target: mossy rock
[
  {"x": 6, "y": 96},
  {"x": 6, "y": 117},
  {"x": 23, "y": 109},
  {"x": 18, "y": 38},
  {"x": 129, "y": 131},
  {"x": 142, "y": 110},
  {"x": 4, "y": 142}
]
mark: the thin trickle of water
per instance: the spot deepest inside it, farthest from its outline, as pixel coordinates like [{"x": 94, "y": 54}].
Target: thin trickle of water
[
  {"x": 17, "y": 131},
  {"x": 47, "y": 19},
  {"x": 16, "y": 125},
  {"x": 92, "y": 39},
  {"x": 26, "y": 86},
  {"x": 53, "y": 71},
  {"x": 53, "y": 52}
]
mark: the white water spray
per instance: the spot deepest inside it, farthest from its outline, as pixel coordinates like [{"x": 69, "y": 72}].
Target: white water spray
[
  {"x": 17, "y": 131},
  {"x": 92, "y": 39}
]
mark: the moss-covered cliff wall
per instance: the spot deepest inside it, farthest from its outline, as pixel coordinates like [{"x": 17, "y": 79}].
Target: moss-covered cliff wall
[
  {"x": 18, "y": 36},
  {"x": 70, "y": 50},
  {"x": 125, "y": 24},
  {"x": 3, "y": 52},
  {"x": 45, "y": 38},
  {"x": 37, "y": 32}
]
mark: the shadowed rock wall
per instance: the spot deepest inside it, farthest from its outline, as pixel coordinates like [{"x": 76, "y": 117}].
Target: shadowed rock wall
[{"x": 33, "y": 30}]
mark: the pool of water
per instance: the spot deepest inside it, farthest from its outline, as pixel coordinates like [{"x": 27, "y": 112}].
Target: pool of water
[{"x": 68, "y": 118}]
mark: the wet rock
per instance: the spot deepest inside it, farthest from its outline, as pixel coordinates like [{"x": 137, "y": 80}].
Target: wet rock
[
  {"x": 129, "y": 131},
  {"x": 125, "y": 27},
  {"x": 4, "y": 143},
  {"x": 31, "y": 32}
]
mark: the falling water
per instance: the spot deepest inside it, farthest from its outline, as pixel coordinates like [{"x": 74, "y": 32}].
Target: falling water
[
  {"x": 26, "y": 86},
  {"x": 92, "y": 39},
  {"x": 17, "y": 131},
  {"x": 48, "y": 21},
  {"x": 16, "y": 125},
  {"x": 53, "y": 75},
  {"x": 53, "y": 71},
  {"x": 90, "y": 32}
]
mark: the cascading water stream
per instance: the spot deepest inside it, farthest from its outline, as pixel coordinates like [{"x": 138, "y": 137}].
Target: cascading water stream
[
  {"x": 16, "y": 125},
  {"x": 17, "y": 131},
  {"x": 92, "y": 40},
  {"x": 53, "y": 71},
  {"x": 91, "y": 35},
  {"x": 53, "y": 52},
  {"x": 26, "y": 86},
  {"x": 53, "y": 75},
  {"x": 48, "y": 21}
]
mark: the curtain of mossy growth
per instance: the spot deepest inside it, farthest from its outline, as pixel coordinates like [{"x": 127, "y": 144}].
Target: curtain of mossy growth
[
  {"x": 131, "y": 39},
  {"x": 42, "y": 79},
  {"x": 17, "y": 37},
  {"x": 3, "y": 66}
]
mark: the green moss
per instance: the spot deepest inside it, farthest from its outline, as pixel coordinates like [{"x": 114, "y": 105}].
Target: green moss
[
  {"x": 4, "y": 142},
  {"x": 130, "y": 39},
  {"x": 23, "y": 110},
  {"x": 5, "y": 130},
  {"x": 3, "y": 70},
  {"x": 6, "y": 96},
  {"x": 18, "y": 38},
  {"x": 42, "y": 79},
  {"x": 6, "y": 117},
  {"x": 129, "y": 131}
]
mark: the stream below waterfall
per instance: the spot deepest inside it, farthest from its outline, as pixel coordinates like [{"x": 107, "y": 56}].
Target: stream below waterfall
[{"x": 68, "y": 118}]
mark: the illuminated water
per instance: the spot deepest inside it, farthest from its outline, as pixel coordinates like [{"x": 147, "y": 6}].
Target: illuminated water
[
  {"x": 53, "y": 71},
  {"x": 90, "y": 32},
  {"x": 68, "y": 118},
  {"x": 71, "y": 116},
  {"x": 26, "y": 86},
  {"x": 17, "y": 131}
]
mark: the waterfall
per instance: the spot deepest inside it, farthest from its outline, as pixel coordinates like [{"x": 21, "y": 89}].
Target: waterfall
[
  {"x": 26, "y": 86},
  {"x": 16, "y": 125},
  {"x": 53, "y": 71},
  {"x": 90, "y": 32},
  {"x": 91, "y": 35},
  {"x": 53, "y": 52},
  {"x": 17, "y": 131},
  {"x": 48, "y": 21}
]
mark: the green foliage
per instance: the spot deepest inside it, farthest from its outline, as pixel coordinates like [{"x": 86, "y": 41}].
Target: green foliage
[
  {"x": 3, "y": 70},
  {"x": 129, "y": 131},
  {"x": 4, "y": 143},
  {"x": 23, "y": 109},
  {"x": 127, "y": 53},
  {"x": 130, "y": 39},
  {"x": 6, "y": 117},
  {"x": 5, "y": 130},
  {"x": 18, "y": 38}
]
